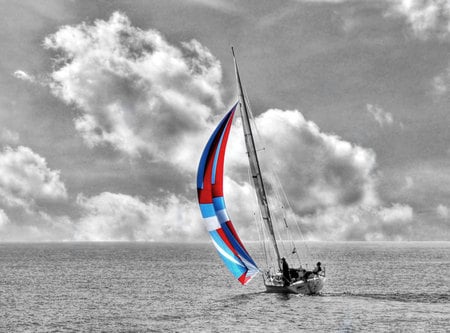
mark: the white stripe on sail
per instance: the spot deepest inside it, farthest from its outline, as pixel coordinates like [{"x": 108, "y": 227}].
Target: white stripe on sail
[
  {"x": 222, "y": 215},
  {"x": 225, "y": 254},
  {"x": 211, "y": 223},
  {"x": 250, "y": 266}
]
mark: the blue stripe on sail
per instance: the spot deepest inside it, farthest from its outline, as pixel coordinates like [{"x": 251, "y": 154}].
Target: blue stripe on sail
[
  {"x": 216, "y": 155},
  {"x": 222, "y": 215},
  {"x": 233, "y": 263},
  {"x": 206, "y": 151},
  {"x": 207, "y": 210},
  {"x": 221, "y": 212},
  {"x": 236, "y": 245},
  {"x": 219, "y": 203}
]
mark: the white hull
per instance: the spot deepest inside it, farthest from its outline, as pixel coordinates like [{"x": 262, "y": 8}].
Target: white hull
[{"x": 311, "y": 287}]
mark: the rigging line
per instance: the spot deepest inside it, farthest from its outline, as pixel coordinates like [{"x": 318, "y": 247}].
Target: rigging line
[
  {"x": 259, "y": 138},
  {"x": 277, "y": 187},
  {"x": 279, "y": 194},
  {"x": 281, "y": 189},
  {"x": 297, "y": 220},
  {"x": 259, "y": 226},
  {"x": 288, "y": 208}
]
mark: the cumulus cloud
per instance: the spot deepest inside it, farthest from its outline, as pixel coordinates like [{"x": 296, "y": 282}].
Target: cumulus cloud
[
  {"x": 319, "y": 169},
  {"x": 426, "y": 17},
  {"x": 8, "y": 136},
  {"x": 442, "y": 211},
  {"x": 118, "y": 217},
  {"x": 441, "y": 83},
  {"x": 331, "y": 183},
  {"x": 36, "y": 226},
  {"x": 134, "y": 90},
  {"x": 25, "y": 178},
  {"x": 323, "y": 173},
  {"x": 27, "y": 187},
  {"x": 139, "y": 94},
  {"x": 360, "y": 223},
  {"x": 21, "y": 75},
  {"x": 409, "y": 183},
  {"x": 220, "y": 5},
  {"x": 4, "y": 219},
  {"x": 379, "y": 115}
]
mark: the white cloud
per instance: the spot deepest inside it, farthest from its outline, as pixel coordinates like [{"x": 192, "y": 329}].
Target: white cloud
[
  {"x": 321, "y": 172},
  {"x": 360, "y": 223},
  {"x": 379, "y": 115},
  {"x": 331, "y": 183},
  {"x": 4, "y": 219},
  {"x": 409, "y": 183},
  {"x": 9, "y": 137},
  {"x": 119, "y": 217},
  {"x": 37, "y": 226},
  {"x": 222, "y": 5},
  {"x": 21, "y": 75},
  {"x": 27, "y": 188},
  {"x": 135, "y": 91},
  {"x": 318, "y": 169},
  {"x": 141, "y": 95},
  {"x": 25, "y": 178},
  {"x": 443, "y": 211},
  {"x": 441, "y": 83},
  {"x": 397, "y": 212},
  {"x": 426, "y": 17}
]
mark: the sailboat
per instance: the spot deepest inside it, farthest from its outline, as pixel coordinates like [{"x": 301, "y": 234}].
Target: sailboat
[{"x": 278, "y": 277}]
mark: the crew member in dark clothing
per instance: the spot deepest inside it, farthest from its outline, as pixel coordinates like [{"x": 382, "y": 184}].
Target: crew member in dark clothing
[
  {"x": 294, "y": 273},
  {"x": 317, "y": 269},
  {"x": 286, "y": 275}
]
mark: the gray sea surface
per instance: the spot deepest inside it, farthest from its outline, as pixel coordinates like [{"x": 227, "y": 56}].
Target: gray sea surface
[{"x": 162, "y": 287}]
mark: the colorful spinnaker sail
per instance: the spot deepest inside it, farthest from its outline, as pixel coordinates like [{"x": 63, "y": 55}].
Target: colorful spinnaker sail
[{"x": 212, "y": 204}]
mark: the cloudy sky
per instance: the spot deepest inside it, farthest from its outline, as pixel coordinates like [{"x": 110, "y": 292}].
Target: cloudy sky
[{"x": 105, "y": 107}]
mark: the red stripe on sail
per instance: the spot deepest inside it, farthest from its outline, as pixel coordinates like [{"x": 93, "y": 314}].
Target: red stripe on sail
[
  {"x": 205, "y": 195},
  {"x": 227, "y": 241},
  {"x": 244, "y": 278},
  {"x": 233, "y": 231},
  {"x": 217, "y": 188}
]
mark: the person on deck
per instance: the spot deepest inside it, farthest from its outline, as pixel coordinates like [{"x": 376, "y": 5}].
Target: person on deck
[
  {"x": 286, "y": 275},
  {"x": 317, "y": 269}
]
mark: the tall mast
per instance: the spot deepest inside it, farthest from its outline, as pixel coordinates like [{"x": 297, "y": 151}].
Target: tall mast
[{"x": 254, "y": 163}]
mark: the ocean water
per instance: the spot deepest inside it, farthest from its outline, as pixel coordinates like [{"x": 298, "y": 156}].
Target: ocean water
[{"x": 149, "y": 287}]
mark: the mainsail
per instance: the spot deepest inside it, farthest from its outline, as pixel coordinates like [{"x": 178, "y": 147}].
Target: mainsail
[{"x": 212, "y": 204}]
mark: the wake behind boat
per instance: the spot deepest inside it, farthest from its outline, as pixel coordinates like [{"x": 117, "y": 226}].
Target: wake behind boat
[{"x": 277, "y": 275}]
